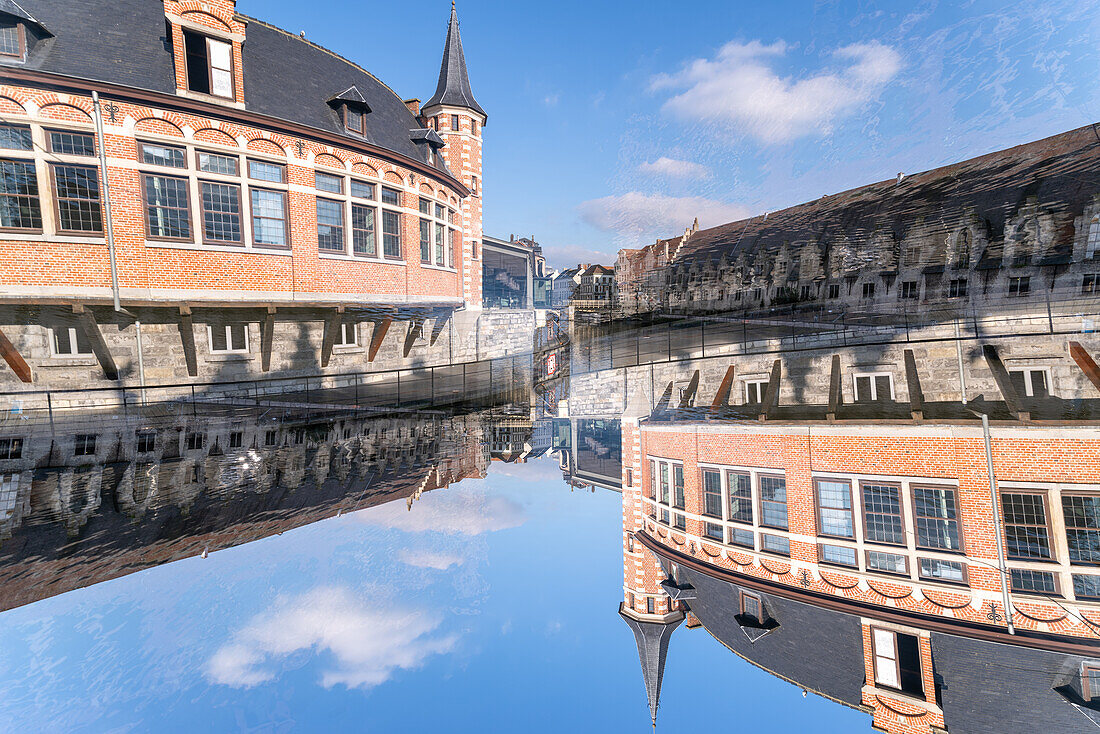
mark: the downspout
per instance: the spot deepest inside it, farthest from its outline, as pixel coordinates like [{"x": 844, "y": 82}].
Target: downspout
[{"x": 101, "y": 144}]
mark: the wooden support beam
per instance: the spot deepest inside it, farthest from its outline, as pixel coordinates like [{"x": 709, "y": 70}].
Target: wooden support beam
[
  {"x": 187, "y": 334},
  {"x": 1086, "y": 363},
  {"x": 722, "y": 397},
  {"x": 442, "y": 318},
  {"x": 836, "y": 398},
  {"x": 416, "y": 329},
  {"x": 1004, "y": 383},
  {"x": 666, "y": 398},
  {"x": 267, "y": 337},
  {"x": 95, "y": 340},
  {"x": 381, "y": 326},
  {"x": 333, "y": 324},
  {"x": 688, "y": 398},
  {"x": 912, "y": 381},
  {"x": 14, "y": 359},
  {"x": 771, "y": 395}
]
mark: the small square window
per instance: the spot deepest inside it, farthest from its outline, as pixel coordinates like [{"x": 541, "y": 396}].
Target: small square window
[
  {"x": 873, "y": 387},
  {"x": 195, "y": 441},
  {"x": 69, "y": 342},
  {"x": 169, "y": 156},
  {"x": 355, "y": 121},
  {"x": 454, "y": 122},
  {"x": 331, "y": 184},
  {"x": 16, "y": 137},
  {"x": 751, "y": 606},
  {"x": 474, "y": 126},
  {"x": 264, "y": 171},
  {"x": 229, "y": 339},
  {"x": 12, "y": 39},
  {"x": 236, "y": 439},
  {"x": 1019, "y": 286},
  {"x": 868, "y": 290},
  {"x": 362, "y": 189},
  {"x": 1031, "y": 383},
  {"x": 391, "y": 197},
  {"x": 66, "y": 142},
  {"x": 84, "y": 444},
  {"x": 11, "y": 448},
  {"x": 754, "y": 391},
  {"x": 834, "y": 290},
  {"x": 348, "y": 335},
  {"x": 209, "y": 64},
  {"x": 225, "y": 165},
  {"x": 910, "y": 289},
  {"x": 425, "y": 207},
  {"x": 775, "y": 544},
  {"x": 1090, "y": 681},
  {"x": 271, "y": 437},
  {"x": 146, "y": 441},
  {"x": 1027, "y": 581}
]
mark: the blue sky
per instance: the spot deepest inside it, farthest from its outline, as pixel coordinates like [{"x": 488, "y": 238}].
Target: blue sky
[
  {"x": 613, "y": 123},
  {"x": 491, "y": 606}
]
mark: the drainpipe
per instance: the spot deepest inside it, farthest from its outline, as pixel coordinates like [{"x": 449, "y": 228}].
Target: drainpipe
[
  {"x": 106, "y": 199},
  {"x": 997, "y": 526},
  {"x": 959, "y": 354}
]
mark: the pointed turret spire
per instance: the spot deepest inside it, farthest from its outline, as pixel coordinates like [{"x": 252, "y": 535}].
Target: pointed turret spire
[
  {"x": 652, "y": 638},
  {"x": 454, "y": 83}
]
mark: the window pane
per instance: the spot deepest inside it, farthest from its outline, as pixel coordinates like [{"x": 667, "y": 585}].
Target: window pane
[
  {"x": 332, "y": 184},
  {"x": 425, "y": 240},
  {"x": 215, "y": 163},
  {"x": 163, "y": 155},
  {"x": 391, "y": 234},
  {"x": 362, "y": 190},
  {"x": 268, "y": 218},
  {"x": 834, "y": 501},
  {"x": 712, "y": 493},
  {"x": 1086, "y": 587},
  {"x": 742, "y": 538},
  {"x": 362, "y": 230},
  {"x": 773, "y": 501},
  {"x": 19, "y": 203},
  {"x": 740, "y": 489},
  {"x": 937, "y": 524},
  {"x": 776, "y": 544},
  {"x": 425, "y": 207},
  {"x": 221, "y": 212},
  {"x": 10, "y": 44},
  {"x": 882, "y": 513},
  {"x": 839, "y": 555},
  {"x": 353, "y": 119},
  {"x": 238, "y": 337},
  {"x": 440, "y": 211},
  {"x": 1082, "y": 527},
  {"x": 219, "y": 340},
  {"x": 69, "y": 143},
  {"x": 678, "y": 485},
  {"x": 166, "y": 213},
  {"x": 261, "y": 171},
  {"x": 15, "y": 137},
  {"x": 1025, "y": 526},
  {"x": 1035, "y": 582},
  {"x": 664, "y": 484},
  {"x": 440, "y": 243},
  {"x": 391, "y": 196},
  {"x": 713, "y": 531},
  {"x": 886, "y": 562},
  {"x": 937, "y": 570},
  {"x": 330, "y": 225},
  {"x": 77, "y": 189}
]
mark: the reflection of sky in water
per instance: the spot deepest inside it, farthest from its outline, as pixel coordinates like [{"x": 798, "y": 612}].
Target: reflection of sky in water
[{"x": 490, "y": 606}]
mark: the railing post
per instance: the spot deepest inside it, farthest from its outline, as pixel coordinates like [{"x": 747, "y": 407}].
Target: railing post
[
  {"x": 193, "y": 411},
  {"x": 49, "y": 409},
  {"x": 1050, "y": 316},
  {"x": 398, "y": 388}
]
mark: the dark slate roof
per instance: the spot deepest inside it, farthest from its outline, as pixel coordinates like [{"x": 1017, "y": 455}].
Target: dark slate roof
[
  {"x": 652, "y": 639},
  {"x": 1062, "y": 172},
  {"x": 454, "y": 82},
  {"x": 285, "y": 76},
  {"x": 13, "y": 8}
]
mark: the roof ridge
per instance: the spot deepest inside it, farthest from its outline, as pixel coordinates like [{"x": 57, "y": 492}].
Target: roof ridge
[{"x": 319, "y": 47}]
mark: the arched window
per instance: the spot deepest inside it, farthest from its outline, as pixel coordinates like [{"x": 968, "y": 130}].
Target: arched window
[{"x": 962, "y": 248}]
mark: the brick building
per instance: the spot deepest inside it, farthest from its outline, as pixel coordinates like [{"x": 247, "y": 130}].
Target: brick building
[
  {"x": 863, "y": 504},
  {"x": 1021, "y": 224},
  {"x": 224, "y": 182}
]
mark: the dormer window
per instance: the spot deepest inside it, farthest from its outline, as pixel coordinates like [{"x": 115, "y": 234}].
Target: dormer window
[
  {"x": 355, "y": 120},
  {"x": 13, "y": 41},
  {"x": 209, "y": 65}
]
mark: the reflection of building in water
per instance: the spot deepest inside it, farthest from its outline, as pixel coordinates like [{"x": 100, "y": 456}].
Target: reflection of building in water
[
  {"x": 1015, "y": 224},
  {"x": 589, "y": 452},
  {"x": 107, "y": 495},
  {"x": 835, "y": 510}
]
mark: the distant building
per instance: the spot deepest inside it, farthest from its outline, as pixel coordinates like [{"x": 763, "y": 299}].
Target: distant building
[
  {"x": 596, "y": 288},
  {"x": 514, "y": 273},
  {"x": 564, "y": 284}
]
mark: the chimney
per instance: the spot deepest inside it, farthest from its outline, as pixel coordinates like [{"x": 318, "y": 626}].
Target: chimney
[
  {"x": 413, "y": 105},
  {"x": 901, "y": 177}
]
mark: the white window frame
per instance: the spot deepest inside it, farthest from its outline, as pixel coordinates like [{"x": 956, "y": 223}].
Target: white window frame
[
  {"x": 228, "y": 339},
  {"x": 762, "y": 389},
  {"x": 72, "y": 341},
  {"x": 341, "y": 335},
  {"x": 874, "y": 387},
  {"x": 1029, "y": 388}
]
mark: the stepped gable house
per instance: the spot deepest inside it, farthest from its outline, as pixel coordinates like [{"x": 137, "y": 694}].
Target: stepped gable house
[
  {"x": 252, "y": 178},
  {"x": 1017, "y": 223}
]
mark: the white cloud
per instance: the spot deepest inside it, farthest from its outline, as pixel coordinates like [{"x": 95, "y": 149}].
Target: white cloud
[
  {"x": 451, "y": 511},
  {"x": 368, "y": 643},
  {"x": 438, "y": 560},
  {"x": 674, "y": 168},
  {"x": 739, "y": 89},
  {"x": 637, "y": 215}
]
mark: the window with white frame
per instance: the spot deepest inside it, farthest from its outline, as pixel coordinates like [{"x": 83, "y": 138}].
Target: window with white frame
[
  {"x": 754, "y": 391},
  {"x": 712, "y": 503},
  {"x": 209, "y": 64},
  {"x": 69, "y": 341},
  {"x": 896, "y": 660},
  {"x": 347, "y": 335},
  {"x": 1031, "y": 382},
  {"x": 670, "y": 492},
  {"x": 873, "y": 387},
  {"x": 230, "y": 338},
  {"x": 834, "y": 508}
]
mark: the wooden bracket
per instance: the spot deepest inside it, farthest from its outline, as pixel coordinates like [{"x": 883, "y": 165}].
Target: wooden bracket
[
  {"x": 1004, "y": 383},
  {"x": 187, "y": 335},
  {"x": 14, "y": 359},
  {"x": 688, "y": 398},
  {"x": 416, "y": 329},
  {"x": 1086, "y": 363},
  {"x": 332, "y": 327},
  {"x": 442, "y": 318},
  {"x": 722, "y": 397},
  {"x": 771, "y": 395},
  {"x": 912, "y": 381},
  {"x": 95, "y": 340},
  {"x": 666, "y": 398},
  {"x": 267, "y": 337},
  {"x": 381, "y": 326}
]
